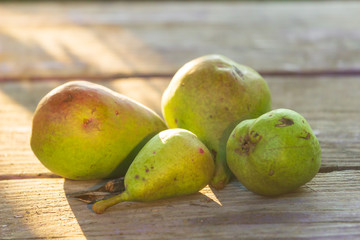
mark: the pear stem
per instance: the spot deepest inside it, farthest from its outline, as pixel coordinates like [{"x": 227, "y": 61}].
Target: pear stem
[{"x": 101, "y": 206}]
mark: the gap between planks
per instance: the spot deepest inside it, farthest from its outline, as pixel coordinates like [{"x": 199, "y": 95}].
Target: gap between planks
[
  {"x": 326, "y": 169},
  {"x": 28, "y": 176},
  {"x": 317, "y": 73}
]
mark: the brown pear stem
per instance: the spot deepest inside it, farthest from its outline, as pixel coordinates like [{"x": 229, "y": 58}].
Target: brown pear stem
[{"x": 101, "y": 206}]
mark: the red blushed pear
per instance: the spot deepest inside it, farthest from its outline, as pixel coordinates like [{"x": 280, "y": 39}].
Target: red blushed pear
[
  {"x": 84, "y": 131},
  {"x": 209, "y": 96},
  {"x": 173, "y": 163}
]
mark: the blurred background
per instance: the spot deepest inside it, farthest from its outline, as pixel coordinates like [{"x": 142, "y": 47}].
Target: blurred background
[
  {"x": 109, "y": 39},
  {"x": 143, "y": 43}
]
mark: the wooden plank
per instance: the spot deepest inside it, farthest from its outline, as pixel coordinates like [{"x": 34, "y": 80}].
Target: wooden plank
[
  {"x": 326, "y": 208},
  {"x": 39, "y": 40},
  {"x": 329, "y": 104}
]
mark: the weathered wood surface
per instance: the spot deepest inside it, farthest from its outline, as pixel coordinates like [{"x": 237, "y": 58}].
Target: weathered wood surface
[
  {"x": 329, "y": 104},
  {"x": 126, "y": 38},
  {"x": 326, "y": 208},
  {"x": 149, "y": 41}
]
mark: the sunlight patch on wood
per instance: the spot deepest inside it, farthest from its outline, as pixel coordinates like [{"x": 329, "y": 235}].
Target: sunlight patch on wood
[
  {"x": 48, "y": 205},
  {"x": 210, "y": 194},
  {"x": 146, "y": 91},
  {"x": 75, "y": 50}
]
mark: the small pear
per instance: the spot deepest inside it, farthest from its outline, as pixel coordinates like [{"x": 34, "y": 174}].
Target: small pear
[
  {"x": 209, "y": 96},
  {"x": 173, "y": 163},
  {"x": 275, "y": 153},
  {"x": 83, "y": 130}
]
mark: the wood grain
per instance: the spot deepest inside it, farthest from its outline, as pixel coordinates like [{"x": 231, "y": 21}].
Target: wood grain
[
  {"x": 97, "y": 40},
  {"x": 137, "y": 47},
  {"x": 325, "y": 208},
  {"x": 329, "y": 104}
]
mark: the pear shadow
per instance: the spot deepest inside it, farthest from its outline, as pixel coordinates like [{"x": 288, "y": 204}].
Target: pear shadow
[
  {"x": 243, "y": 207},
  {"x": 161, "y": 219},
  {"x": 121, "y": 170},
  {"x": 12, "y": 217}
]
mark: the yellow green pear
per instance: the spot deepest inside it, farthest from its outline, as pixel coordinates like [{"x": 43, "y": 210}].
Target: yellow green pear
[
  {"x": 82, "y": 130},
  {"x": 209, "y": 96},
  {"x": 173, "y": 163},
  {"x": 275, "y": 153}
]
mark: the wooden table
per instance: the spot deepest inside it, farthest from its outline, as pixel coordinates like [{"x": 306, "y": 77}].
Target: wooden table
[{"x": 307, "y": 51}]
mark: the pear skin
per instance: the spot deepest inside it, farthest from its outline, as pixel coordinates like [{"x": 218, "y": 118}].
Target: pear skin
[
  {"x": 173, "y": 163},
  {"x": 275, "y": 153},
  {"x": 209, "y": 96},
  {"x": 84, "y": 131}
]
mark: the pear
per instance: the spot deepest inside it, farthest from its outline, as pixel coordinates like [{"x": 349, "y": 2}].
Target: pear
[
  {"x": 275, "y": 153},
  {"x": 84, "y": 131},
  {"x": 173, "y": 163},
  {"x": 209, "y": 96}
]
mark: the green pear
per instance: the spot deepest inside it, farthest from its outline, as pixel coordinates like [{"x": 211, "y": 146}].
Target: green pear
[
  {"x": 209, "y": 96},
  {"x": 84, "y": 131},
  {"x": 275, "y": 153},
  {"x": 173, "y": 163}
]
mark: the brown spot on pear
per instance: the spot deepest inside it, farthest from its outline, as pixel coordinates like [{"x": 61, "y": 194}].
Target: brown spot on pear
[
  {"x": 284, "y": 122},
  {"x": 218, "y": 87},
  {"x": 76, "y": 134}
]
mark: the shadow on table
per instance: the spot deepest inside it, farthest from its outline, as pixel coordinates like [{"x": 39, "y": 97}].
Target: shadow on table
[
  {"x": 212, "y": 213},
  {"x": 13, "y": 220},
  {"x": 159, "y": 219},
  {"x": 28, "y": 93},
  {"x": 25, "y": 94}
]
